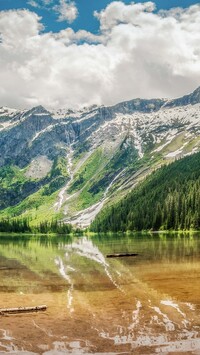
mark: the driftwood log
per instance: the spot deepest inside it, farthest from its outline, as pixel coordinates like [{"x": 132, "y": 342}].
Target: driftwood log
[
  {"x": 5, "y": 268},
  {"x": 22, "y": 310},
  {"x": 120, "y": 255}
]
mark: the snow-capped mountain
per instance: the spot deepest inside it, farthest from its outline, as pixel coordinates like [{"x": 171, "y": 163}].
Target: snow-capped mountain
[{"x": 70, "y": 163}]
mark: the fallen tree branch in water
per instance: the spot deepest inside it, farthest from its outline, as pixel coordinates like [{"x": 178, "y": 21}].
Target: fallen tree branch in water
[
  {"x": 22, "y": 309},
  {"x": 121, "y": 255}
]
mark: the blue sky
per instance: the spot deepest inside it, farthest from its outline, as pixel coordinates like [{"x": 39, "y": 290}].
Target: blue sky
[{"x": 85, "y": 19}]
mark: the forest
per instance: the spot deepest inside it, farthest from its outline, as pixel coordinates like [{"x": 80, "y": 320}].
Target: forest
[
  {"x": 168, "y": 199},
  {"x": 22, "y": 225}
]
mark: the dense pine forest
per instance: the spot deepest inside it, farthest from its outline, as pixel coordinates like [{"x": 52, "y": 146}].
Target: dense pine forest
[
  {"x": 23, "y": 226},
  {"x": 169, "y": 199}
]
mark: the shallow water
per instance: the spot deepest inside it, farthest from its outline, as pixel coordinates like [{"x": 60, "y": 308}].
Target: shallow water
[{"x": 148, "y": 304}]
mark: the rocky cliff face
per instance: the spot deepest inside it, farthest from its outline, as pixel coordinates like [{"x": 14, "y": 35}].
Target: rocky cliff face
[
  {"x": 191, "y": 99},
  {"x": 69, "y": 164}
]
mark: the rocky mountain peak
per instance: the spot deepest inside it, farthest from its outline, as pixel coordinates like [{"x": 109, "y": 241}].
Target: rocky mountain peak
[
  {"x": 7, "y": 111},
  {"x": 190, "y": 99},
  {"x": 38, "y": 110},
  {"x": 140, "y": 105}
]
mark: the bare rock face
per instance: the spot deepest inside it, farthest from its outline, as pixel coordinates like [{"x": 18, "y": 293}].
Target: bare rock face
[{"x": 39, "y": 167}]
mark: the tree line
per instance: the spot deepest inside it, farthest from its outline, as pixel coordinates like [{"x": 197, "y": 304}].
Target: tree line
[{"x": 22, "y": 225}]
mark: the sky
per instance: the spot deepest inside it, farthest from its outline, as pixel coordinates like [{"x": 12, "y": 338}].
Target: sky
[{"x": 70, "y": 54}]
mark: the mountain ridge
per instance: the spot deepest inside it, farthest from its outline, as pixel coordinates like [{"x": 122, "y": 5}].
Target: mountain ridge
[
  {"x": 75, "y": 162},
  {"x": 191, "y": 98}
]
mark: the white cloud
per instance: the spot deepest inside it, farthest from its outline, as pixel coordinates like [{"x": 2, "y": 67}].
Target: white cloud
[
  {"x": 67, "y": 11},
  {"x": 138, "y": 53},
  {"x": 117, "y": 12},
  {"x": 68, "y": 36},
  {"x": 33, "y": 3}
]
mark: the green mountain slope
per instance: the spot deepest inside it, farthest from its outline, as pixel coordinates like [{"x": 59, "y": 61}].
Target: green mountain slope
[
  {"x": 21, "y": 195},
  {"x": 167, "y": 199}
]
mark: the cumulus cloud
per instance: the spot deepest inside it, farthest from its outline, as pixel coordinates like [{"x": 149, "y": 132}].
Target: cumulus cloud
[
  {"x": 67, "y": 11},
  {"x": 117, "y": 12},
  {"x": 138, "y": 53}
]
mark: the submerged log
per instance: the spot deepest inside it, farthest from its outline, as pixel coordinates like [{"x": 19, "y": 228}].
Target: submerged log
[
  {"x": 120, "y": 255},
  {"x": 22, "y": 309},
  {"x": 5, "y": 268}
]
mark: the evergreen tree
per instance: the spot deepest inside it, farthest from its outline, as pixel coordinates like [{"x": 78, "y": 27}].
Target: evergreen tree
[{"x": 168, "y": 199}]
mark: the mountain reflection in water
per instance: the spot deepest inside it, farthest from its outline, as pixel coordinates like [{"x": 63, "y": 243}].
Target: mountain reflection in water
[{"x": 143, "y": 305}]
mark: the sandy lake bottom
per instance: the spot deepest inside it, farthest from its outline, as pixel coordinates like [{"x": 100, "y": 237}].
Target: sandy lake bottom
[{"x": 147, "y": 304}]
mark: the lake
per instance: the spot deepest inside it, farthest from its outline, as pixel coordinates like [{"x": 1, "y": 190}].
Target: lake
[{"x": 144, "y": 304}]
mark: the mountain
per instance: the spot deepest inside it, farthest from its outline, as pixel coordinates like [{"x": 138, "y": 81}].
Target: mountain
[
  {"x": 169, "y": 198},
  {"x": 191, "y": 99},
  {"x": 68, "y": 164}
]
